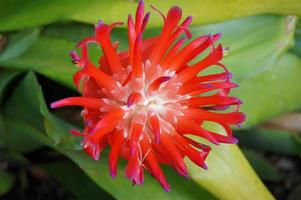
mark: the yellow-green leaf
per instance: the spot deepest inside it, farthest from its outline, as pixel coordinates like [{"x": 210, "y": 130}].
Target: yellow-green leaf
[{"x": 19, "y": 14}]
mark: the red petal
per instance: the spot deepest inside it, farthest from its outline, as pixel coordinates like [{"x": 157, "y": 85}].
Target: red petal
[
  {"x": 78, "y": 101},
  {"x": 170, "y": 147},
  {"x": 211, "y": 100},
  {"x": 173, "y": 17},
  {"x": 115, "y": 148},
  {"x": 212, "y": 59},
  {"x": 153, "y": 164},
  {"x": 102, "y": 33},
  {"x": 227, "y": 118},
  {"x": 137, "y": 126},
  {"x": 133, "y": 170}
]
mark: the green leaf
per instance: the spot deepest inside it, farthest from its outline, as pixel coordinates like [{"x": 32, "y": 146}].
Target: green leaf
[
  {"x": 29, "y": 91},
  {"x": 6, "y": 182},
  {"x": 48, "y": 56},
  {"x": 255, "y": 43},
  {"x": 270, "y": 140},
  {"x": 19, "y": 43},
  {"x": 69, "y": 175},
  {"x": 19, "y": 14},
  {"x": 229, "y": 175},
  {"x": 263, "y": 168},
  {"x": 271, "y": 92}
]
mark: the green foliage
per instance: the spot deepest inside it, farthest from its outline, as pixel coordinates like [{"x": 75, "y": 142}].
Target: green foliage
[
  {"x": 19, "y": 14},
  {"x": 229, "y": 174},
  {"x": 270, "y": 92}
]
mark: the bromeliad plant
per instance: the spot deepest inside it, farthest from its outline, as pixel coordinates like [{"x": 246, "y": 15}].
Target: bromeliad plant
[{"x": 144, "y": 102}]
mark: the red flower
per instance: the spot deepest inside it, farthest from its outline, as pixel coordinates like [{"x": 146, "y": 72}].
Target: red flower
[{"x": 145, "y": 101}]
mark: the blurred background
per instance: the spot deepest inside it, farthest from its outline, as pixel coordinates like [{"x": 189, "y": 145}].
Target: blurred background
[{"x": 40, "y": 160}]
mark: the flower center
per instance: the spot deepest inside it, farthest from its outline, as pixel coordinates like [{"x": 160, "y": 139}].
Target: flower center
[{"x": 156, "y": 93}]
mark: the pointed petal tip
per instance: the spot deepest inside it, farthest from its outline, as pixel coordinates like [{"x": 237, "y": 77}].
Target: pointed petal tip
[
  {"x": 76, "y": 133},
  {"x": 205, "y": 166},
  {"x": 189, "y": 18},
  {"x": 233, "y": 140},
  {"x": 54, "y": 104},
  {"x": 217, "y": 35},
  {"x": 140, "y": 3},
  {"x": 74, "y": 55},
  {"x": 176, "y": 9},
  {"x": 99, "y": 23},
  {"x": 243, "y": 118},
  {"x": 167, "y": 189},
  {"x": 113, "y": 174}
]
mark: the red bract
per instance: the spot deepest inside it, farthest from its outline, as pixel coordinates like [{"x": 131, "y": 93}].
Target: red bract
[{"x": 145, "y": 101}]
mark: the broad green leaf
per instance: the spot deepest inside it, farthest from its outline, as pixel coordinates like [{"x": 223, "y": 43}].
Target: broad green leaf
[
  {"x": 18, "y": 43},
  {"x": 246, "y": 37},
  {"x": 255, "y": 43},
  {"x": 229, "y": 175},
  {"x": 29, "y": 91},
  {"x": 69, "y": 175},
  {"x": 6, "y": 182},
  {"x": 48, "y": 56},
  {"x": 270, "y": 140},
  {"x": 271, "y": 92},
  {"x": 262, "y": 167},
  {"x": 19, "y": 14}
]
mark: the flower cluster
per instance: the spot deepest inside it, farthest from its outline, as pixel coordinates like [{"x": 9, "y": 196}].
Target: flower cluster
[{"x": 145, "y": 102}]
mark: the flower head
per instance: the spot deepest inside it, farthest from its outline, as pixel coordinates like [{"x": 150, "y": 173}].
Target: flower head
[{"x": 144, "y": 102}]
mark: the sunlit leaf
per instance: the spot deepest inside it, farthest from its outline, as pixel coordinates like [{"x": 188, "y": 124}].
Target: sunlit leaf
[
  {"x": 229, "y": 175},
  {"x": 271, "y": 92},
  {"x": 19, "y": 14}
]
